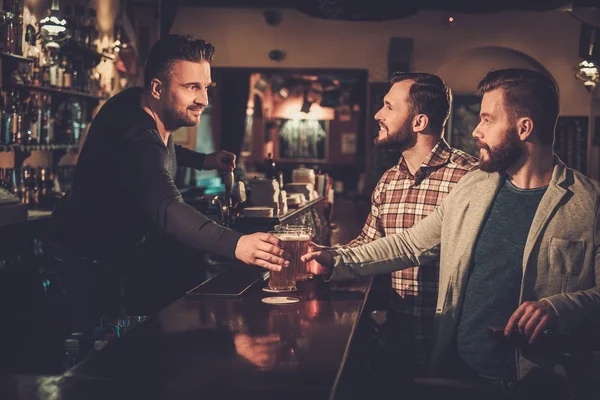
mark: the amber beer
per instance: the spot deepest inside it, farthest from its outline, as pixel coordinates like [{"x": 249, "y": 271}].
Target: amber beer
[
  {"x": 286, "y": 278},
  {"x": 303, "y": 245}
]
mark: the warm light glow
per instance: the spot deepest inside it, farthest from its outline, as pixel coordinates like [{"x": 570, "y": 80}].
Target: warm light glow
[
  {"x": 589, "y": 73},
  {"x": 290, "y": 109}
]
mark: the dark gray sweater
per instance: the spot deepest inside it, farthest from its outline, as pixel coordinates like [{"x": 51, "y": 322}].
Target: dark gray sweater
[
  {"x": 492, "y": 292},
  {"x": 124, "y": 188}
]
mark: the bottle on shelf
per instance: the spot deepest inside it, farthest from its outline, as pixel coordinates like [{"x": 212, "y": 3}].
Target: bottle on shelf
[
  {"x": 45, "y": 120},
  {"x": 23, "y": 186},
  {"x": 67, "y": 74},
  {"x": 60, "y": 73},
  {"x": 14, "y": 117},
  {"x": 4, "y": 122},
  {"x": 35, "y": 112},
  {"x": 8, "y": 29},
  {"x": 78, "y": 123},
  {"x": 17, "y": 10},
  {"x": 270, "y": 167},
  {"x": 53, "y": 71},
  {"x": 92, "y": 33}
]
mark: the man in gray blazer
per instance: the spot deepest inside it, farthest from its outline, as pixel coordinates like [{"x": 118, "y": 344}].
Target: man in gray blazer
[{"x": 518, "y": 241}]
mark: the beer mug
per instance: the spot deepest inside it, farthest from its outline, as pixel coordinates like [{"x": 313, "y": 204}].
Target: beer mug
[
  {"x": 285, "y": 280},
  {"x": 305, "y": 234}
]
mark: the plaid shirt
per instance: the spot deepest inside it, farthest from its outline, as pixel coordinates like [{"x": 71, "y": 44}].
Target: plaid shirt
[{"x": 399, "y": 201}]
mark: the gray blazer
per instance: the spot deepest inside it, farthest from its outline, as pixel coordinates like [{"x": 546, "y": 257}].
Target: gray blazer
[{"x": 561, "y": 261}]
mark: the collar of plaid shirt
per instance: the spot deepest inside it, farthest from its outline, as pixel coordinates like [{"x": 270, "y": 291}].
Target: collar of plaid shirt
[{"x": 439, "y": 156}]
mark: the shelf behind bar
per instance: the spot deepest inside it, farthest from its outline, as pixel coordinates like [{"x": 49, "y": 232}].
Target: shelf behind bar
[
  {"x": 15, "y": 57},
  {"x": 36, "y": 147},
  {"x": 48, "y": 89}
]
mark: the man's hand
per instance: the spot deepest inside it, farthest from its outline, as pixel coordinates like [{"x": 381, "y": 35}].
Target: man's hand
[
  {"x": 318, "y": 261},
  {"x": 531, "y": 319},
  {"x": 263, "y": 250},
  {"x": 221, "y": 159}
]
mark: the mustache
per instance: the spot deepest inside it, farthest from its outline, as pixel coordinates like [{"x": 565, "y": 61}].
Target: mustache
[
  {"x": 481, "y": 145},
  {"x": 196, "y": 108}
]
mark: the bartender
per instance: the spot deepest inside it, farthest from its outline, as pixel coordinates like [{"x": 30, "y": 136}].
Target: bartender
[{"x": 124, "y": 188}]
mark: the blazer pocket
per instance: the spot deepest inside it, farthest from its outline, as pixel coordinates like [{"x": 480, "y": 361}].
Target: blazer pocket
[{"x": 566, "y": 256}]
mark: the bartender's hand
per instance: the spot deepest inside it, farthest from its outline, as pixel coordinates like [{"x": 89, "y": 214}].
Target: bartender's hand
[
  {"x": 318, "y": 261},
  {"x": 531, "y": 319},
  {"x": 222, "y": 160},
  {"x": 263, "y": 250}
]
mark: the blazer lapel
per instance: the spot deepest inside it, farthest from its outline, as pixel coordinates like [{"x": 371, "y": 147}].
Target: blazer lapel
[
  {"x": 550, "y": 201},
  {"x": 479, "y": 204}
]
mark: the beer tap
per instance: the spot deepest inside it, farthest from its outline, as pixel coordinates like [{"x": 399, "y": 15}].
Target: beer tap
[{"x": 226, "y": 205}]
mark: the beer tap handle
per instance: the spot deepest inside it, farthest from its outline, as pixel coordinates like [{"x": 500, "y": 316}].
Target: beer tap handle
[{"x": 228, "y": 181}]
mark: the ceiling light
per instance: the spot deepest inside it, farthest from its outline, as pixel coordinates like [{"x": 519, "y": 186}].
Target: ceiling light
[{"x": 588, "y": 73}]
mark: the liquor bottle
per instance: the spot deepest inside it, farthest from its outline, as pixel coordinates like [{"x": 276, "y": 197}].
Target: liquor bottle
[
  {"x": 14, "y": 117},
  {"x": 45, "y": 120},
  {"x": 77, "y": 26},
  {"x": 78, "y": 125},
  {"x": 270, "y": 168},
  {"x": 67, "y": 74},
  {"x": 9, "y": 31},
  {"x": 53, "y": 70},
  {"x": 33, "y": 189},
  {"x": 33, "y": 111},
  {"x": 92, "y": 31},
  {"x": 3, "y": 119},
  {"x": 60, "y": 73},
  {"x": 45, "y": 72},
  {"x": 23, "y": 186},
  {"x": 35, "y": 70},
  {"x": 18, "y": 132},
  {"x": 13, "y": 185},
  {"x": 17, "y": 10}
]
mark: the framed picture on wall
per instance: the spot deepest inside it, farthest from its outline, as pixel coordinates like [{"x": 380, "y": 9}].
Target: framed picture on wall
[
  {"x": 464, "y": 117},
  {"x": 303, "y": 139},
  {"x": 571, "y": 141}
]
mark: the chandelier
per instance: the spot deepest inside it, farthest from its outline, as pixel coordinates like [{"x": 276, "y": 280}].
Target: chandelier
[{"x": 589, "y": 73}]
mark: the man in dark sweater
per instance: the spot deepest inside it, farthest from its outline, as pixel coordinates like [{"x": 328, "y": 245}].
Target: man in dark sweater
[{"x": 124, "y": 182}]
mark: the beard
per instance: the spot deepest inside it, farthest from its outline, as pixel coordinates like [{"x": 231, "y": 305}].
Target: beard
[
  {"x": 175, "y": 118},
  {"x": 401, "y": 139},
  {"x": 502, "y": 156}
]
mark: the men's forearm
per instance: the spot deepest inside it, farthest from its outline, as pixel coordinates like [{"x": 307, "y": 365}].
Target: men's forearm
[
  {"x": 385, "y": 255},
  {"x": 194, "y": 229}
]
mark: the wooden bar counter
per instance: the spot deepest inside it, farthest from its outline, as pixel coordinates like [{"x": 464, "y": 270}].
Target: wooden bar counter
[{"x": 216, "y": 347}]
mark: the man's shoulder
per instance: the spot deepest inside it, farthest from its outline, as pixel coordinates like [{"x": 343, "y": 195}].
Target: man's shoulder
[
  {"x": 462, "y": 160},
  {"x": 581, "y": 184}
]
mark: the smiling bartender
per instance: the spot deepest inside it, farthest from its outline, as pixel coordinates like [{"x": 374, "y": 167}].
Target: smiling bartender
[{"x": 124, "y": 185}]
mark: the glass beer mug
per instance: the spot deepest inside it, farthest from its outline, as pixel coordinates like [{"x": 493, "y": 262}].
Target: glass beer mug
[{"x": 304, "y": 237}]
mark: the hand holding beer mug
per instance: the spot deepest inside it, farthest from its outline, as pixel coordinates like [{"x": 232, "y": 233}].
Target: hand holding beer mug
[{"x": 318, "y": 259}]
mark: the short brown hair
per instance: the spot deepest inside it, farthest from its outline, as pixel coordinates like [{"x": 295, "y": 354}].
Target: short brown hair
[
  {"x": 529, "y": 94},
  {"x": 429, "y": 95},
  {"x": 172, "y": 48}
]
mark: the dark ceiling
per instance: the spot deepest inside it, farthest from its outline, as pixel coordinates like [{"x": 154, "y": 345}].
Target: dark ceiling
[{"x": 380, "y": 10}]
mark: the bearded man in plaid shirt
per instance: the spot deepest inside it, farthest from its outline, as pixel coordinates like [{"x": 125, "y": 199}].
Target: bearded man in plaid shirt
[{"x": 412, "y": 121}]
